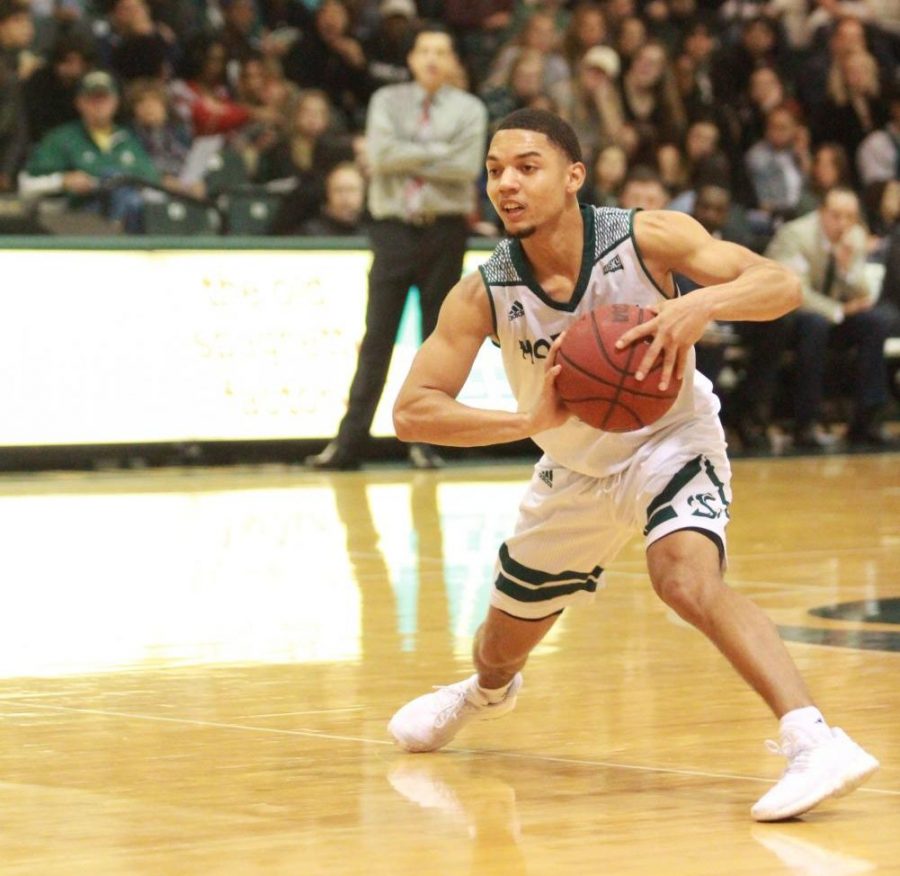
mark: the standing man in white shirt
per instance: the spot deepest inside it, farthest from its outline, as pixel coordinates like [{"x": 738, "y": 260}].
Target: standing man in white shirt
[{"x": 425, "y": 140}]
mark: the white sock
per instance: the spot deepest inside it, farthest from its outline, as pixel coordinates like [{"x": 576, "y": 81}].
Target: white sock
[
  {"x": 496, "y": 694},
  {"x": 809, "y": 720}
]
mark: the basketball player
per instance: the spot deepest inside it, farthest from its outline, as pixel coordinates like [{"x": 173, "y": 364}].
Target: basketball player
[{"x": 591, "y": 491}]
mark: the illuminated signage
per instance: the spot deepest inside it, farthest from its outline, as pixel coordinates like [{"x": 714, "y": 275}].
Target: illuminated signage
[{"x": 133, "y": 347}]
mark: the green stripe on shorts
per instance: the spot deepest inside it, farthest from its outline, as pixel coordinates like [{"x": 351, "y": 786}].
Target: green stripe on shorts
[
  {"x": 525, "y": 584},
  {"x": 542, "y": 594},
  {"x": 539, "y": 579},
  {"x": 659, "y": 510}
]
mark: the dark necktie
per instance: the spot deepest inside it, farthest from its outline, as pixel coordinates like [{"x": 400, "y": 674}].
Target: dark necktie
[
  {"x": 412, "y": 190},
  {"x": 830, "y": 270}
]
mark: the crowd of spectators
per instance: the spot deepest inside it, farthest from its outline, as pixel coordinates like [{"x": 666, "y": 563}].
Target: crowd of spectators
[
  {"x": 763, "y": 106},
  {"x": 775, "y": 100}
]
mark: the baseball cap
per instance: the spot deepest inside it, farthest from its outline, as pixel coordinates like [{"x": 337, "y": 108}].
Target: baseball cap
[
  {"x": 406, "y": 8},
  {"x": 604, "y": 58},
  {"x": 97, "y": 82}
]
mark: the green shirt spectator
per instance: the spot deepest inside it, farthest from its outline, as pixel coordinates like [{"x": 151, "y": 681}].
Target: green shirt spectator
[
  {"x": 72, "y": 147},
  {"x": 77, "y": 157}
]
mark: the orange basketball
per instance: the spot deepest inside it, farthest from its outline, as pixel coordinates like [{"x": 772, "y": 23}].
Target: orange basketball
[{"x": 597, "y": 381}]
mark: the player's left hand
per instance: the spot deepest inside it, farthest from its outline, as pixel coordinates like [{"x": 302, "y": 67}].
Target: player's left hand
[{"x": 677, "y": 326}]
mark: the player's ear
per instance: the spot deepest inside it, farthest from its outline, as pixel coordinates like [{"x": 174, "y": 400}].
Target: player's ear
[{"x": 575, "y": 177}]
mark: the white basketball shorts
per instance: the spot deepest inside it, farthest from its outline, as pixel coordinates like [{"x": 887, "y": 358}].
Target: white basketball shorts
[{"x": 571, "y": 526}]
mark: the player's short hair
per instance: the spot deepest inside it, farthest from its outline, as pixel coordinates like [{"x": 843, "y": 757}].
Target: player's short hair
[{"x": 558, "y": 131}]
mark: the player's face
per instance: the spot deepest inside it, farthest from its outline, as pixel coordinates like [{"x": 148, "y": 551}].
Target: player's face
[{"x": 529, "y": 180}]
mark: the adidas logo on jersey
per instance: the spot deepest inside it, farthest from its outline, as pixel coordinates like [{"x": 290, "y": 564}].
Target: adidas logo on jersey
[
  {"x": 547, "y": 477},
  {"x": 614, "y": 265},
  {"x": 516, "y": 310}
]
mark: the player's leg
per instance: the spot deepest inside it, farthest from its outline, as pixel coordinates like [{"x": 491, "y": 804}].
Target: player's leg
[
  {"x": 685, "y": 569},
  {"x": 685, "y": 550},
  {"x": 502, "y": 645},
  {"x": 549, "y": 563}
]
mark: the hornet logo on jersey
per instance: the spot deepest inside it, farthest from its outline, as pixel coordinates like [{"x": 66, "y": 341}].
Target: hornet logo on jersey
[
  {"x": 614, "y": 265},
  {"x": 538, "y": 349},
  {"x": 547, "y": 477},
  {"x": 516, "y": 310}
]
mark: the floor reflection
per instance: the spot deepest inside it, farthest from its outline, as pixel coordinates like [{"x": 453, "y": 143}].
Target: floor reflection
[
  {"x": 461, "y": 793},
  {"x": 804, "y": 857}
]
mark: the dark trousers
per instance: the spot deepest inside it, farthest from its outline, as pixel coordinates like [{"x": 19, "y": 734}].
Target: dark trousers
[
  {"x": 766, "y": 343},
  {"x": 815, "y": 337},
  {"x": 429, "y": 257}
]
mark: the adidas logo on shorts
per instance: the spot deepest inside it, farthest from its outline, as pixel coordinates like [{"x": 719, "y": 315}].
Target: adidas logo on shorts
[
  {"x": 547, "y": 477},
  {"x": 516, "y": 310},
  {"x": 614, "y": 265}
]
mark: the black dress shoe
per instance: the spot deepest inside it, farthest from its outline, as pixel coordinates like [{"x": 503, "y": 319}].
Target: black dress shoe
[
  {"x": 424, "y": 456},
  {"x": 333, "y": 458}
]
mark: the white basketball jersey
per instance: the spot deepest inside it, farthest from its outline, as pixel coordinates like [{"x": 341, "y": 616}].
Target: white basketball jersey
[{"x": 526, "y": 320}]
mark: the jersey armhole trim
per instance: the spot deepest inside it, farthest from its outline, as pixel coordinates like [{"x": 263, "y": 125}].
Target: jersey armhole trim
[
  {"x": 487, "y": 291},
  {"x": 640, "y": 256},
  {"x": 612, "y": 246}
]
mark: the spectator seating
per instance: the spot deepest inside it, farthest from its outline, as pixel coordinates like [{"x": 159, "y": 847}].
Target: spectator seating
[{"x": 174, "y": 216}]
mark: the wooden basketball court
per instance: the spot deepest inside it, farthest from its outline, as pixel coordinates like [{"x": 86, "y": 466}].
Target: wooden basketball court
[{"x": 197, "y": 666}]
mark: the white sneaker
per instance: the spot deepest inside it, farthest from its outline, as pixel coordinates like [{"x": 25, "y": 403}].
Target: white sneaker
[
  {"x": 430, "y": 721},
  {"x": 817, "y": 770}
]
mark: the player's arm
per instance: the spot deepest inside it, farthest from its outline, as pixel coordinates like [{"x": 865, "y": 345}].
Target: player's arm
[
  {"x": 739, "y": 285},
  {"x": 426, "y": 408}
]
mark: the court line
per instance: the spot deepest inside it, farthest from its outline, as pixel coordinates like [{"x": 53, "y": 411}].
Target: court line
[
  {"x": 163, "y": 719},
  {"x": 306, "y": 712},
  {"x": 315, "y": 734}
]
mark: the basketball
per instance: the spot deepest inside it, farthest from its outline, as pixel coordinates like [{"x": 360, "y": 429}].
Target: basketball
[{"x": 597, "y": 381}]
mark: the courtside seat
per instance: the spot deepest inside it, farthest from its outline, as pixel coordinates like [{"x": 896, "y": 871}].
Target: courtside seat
[
  {"x": 172, "y": 217},
  {"x": 225, "y": 171},
  {"x": 250, "y": 210}
]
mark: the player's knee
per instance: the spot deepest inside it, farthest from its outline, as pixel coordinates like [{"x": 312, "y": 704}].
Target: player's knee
[
  {"x": 685, "y": 569},
  {"x": 686, "y": 591}
]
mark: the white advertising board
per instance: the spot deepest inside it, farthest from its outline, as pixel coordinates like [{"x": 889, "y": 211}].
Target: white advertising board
[{"x": 107, "y": 347}]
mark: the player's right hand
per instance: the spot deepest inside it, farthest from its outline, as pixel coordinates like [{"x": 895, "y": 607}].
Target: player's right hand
[{"x": 549, "y": 412}]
